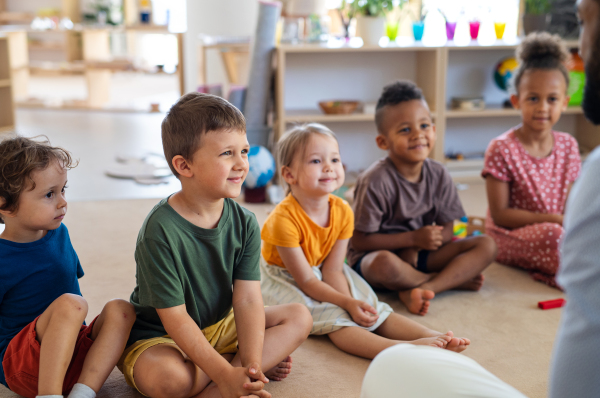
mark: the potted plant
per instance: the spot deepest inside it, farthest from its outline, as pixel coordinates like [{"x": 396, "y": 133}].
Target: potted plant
[
  {"x": 537, "y": 15},
  {"x": 370, "y": 18}
]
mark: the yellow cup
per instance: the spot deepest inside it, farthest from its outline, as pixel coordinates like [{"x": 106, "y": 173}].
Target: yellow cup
[{"x": 499, "y": 28}]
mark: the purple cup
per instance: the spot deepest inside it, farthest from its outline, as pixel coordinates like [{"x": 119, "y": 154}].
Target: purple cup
[{"x": 450, "y": 29}]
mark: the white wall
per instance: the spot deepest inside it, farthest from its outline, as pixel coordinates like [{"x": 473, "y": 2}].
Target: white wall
[{"x": 215, "y": 17}]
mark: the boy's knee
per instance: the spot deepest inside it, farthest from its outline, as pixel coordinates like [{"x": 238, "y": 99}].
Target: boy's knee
[
  {"x": 488, "y": 244},
  {"x": 70, "y": 307},
  {"x": 172, "y": 383},
  {"x": 383, "y": 265},
  {"x": 120, "y": 311}
]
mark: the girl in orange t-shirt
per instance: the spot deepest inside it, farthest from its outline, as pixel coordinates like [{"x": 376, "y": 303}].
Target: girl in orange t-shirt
[{"x": 305, "y": 242}]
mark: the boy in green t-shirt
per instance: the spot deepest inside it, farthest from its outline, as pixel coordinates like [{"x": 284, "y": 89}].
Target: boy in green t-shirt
[{"x": 192, "y": 248}]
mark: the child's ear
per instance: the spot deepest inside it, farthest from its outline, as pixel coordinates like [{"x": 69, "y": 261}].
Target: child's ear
[
  {"x": 181, "y": 166},
  {"x": 381, "y": 141},
  {"x": 514, "y": 100},
  {"x": 5, "y": 213},
  {"x": 566, "y": 103},
  {"x": 287, "y": 175}
]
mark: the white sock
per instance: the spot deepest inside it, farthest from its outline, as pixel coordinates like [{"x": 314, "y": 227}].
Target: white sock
[{"x": 82, "y": 391}]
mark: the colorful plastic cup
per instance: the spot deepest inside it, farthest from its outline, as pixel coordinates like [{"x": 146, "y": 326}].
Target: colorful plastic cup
[
  {"x": 499, "y": 28},
  {"x": 418, "y": 29},
  {"x": 450, "y": 30},
  {"x": 474, "y": 29},
  {"x": 391, "y": 30}
]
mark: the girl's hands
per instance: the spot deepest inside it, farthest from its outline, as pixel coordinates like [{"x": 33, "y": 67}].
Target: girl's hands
[{"x": 362, "y": 313}]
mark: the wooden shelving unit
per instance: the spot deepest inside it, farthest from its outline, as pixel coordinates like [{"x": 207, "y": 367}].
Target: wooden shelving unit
[
  {"x": 367, "y": 66},
  {"x": 7, "y": 110}
]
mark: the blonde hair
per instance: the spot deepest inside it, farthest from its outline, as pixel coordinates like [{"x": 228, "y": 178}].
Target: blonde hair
[{"x": 294, "y": 142}]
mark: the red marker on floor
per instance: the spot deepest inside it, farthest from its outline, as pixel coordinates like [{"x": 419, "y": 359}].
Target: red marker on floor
[{"x": 549, "y": 304}]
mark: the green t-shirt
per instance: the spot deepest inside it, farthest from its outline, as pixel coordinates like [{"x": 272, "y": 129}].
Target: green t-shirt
[{"x": 178, "y": 263}]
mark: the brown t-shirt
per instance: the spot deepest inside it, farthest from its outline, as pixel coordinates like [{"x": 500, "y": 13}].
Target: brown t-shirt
[{"x": 386, "y": 203}]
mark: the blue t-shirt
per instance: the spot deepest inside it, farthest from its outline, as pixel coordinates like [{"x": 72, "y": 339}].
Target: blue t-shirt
[{"x": 32, "y": 276}]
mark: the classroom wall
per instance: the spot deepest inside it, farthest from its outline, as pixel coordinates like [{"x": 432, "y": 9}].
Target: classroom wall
[{"x": 222, "y": 17}]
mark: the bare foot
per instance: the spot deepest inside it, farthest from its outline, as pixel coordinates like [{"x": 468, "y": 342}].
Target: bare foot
[
  {"x": 416, "y": 300},
  {"x": 281, "y": 370},
  {"x": 440, "y": 341},
  {"x": 458, "y": 344},
  {"x": 472, "y": 284}
]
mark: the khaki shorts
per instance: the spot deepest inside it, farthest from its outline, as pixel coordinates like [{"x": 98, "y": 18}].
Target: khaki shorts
[{"x": 222, "y": 336}]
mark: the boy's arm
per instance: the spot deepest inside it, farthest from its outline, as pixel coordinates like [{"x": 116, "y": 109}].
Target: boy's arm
[
  {"x": 249, "y": 311},
  {"x": 232, "y": 382},
  {"x": 333, "y": 268},
  {"x": 428, "y": 238},
  {"x": 498, "y": 193},
  {"x": 447, "y": 232}
]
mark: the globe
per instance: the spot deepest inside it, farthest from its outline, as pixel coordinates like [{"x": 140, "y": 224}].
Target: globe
[
  {"x": 262, "y": 167},
  {"x": 504, "y": 71}
]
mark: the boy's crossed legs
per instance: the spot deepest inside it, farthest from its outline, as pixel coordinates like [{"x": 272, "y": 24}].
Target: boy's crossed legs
[
  {"x": 165, "y": 371},
  {"x": 456, "y": 265},
  {"x": 58, "y": 329}
]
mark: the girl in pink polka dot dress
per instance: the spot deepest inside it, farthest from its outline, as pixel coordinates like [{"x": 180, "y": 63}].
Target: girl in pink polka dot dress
[{"x": 529, "y": 170}]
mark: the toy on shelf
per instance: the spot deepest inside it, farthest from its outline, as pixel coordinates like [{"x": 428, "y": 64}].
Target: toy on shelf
[
  {"x": 576, "y": 78},
  {"x": 503, "y": 73}
]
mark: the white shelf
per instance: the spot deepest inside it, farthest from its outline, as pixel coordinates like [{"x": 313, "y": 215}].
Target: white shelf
[{"x": 338, "y": 46}]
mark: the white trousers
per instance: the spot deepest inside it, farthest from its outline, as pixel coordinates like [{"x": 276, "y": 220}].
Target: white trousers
[{"x": 406, "y": 370}]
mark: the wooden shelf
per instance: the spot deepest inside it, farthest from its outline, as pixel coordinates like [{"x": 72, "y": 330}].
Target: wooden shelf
[
  {"x": 314, "y": 115},
  {"x": 498, "y": 111}
]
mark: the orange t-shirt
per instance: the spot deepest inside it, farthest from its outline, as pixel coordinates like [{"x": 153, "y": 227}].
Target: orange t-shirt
[{"x": 289, "y": 226}]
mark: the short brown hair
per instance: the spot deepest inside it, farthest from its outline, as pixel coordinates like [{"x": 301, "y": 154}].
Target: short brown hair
[
  {"x": 294, "y": 142},
  {"x": 192, "y": 116},
  {"x": 19, "y": 157}
]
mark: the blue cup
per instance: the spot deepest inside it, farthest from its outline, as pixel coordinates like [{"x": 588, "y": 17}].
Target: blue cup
[{"x": 418, "y": 29}]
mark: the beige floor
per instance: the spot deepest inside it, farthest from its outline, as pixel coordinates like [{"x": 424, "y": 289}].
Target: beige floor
[{"x": 510, "y": 336}]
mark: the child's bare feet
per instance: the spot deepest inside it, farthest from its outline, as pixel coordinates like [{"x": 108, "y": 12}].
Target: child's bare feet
[
  {"x": 440, "y": 341},
  {"x": 472, "y": 284},
  {"x": 416, "y": 300},
  {"x": 281, "y": 370},
  {"x": 458, "y": 344}
]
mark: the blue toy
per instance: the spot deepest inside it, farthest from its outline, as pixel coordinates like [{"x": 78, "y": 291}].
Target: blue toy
[{"x": 262, "y": 167}]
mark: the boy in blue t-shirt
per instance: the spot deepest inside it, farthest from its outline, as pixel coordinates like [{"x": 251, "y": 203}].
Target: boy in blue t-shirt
[{"x": 45, "y": 348}]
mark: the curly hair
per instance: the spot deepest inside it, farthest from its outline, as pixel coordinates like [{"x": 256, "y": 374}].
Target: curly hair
[
  {"x": 19, "y": 158},
  {"x": 541, "y": 50},
  {"x": 395, "y": 93}
]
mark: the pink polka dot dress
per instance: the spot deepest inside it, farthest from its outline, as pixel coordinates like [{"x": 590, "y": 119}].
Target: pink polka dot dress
[{"x": 538, "y": 185}]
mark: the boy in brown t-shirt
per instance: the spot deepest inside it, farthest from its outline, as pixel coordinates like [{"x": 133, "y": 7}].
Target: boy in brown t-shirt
[{"x": 405, "y": 205}]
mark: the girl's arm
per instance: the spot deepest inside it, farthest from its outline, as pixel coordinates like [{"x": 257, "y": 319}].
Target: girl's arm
[
  {"x": 333, "y": 268},
  {"x": 297, "y": 265},
  {"x": 498, "y": 193}
]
